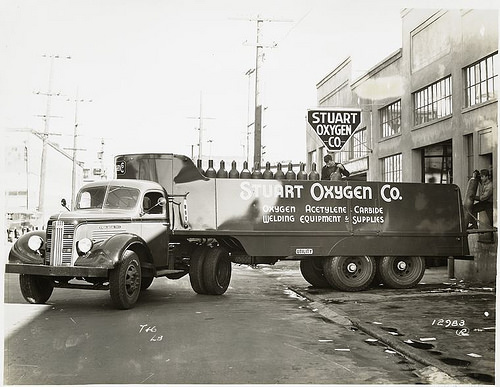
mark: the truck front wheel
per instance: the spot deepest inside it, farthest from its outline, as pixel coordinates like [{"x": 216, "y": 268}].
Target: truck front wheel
[
  {"x": 35, "y": 289},
  {"x": 350, "y": 274},
  {"x": 401, "y": 272},
  {"x": 312, "y": 271},
  {"x": 217, "y": 271},
  {"x": 125, "y": 281}
]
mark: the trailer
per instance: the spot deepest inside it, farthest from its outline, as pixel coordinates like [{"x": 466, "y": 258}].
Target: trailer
[{"x": 164, "y": 217}]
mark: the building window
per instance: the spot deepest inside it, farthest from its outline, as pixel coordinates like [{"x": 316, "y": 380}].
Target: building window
[
  {"x": 481, "y": 81},
  {"x": 392, "y": 170},
  {"x": 358, "y": 144},
  {"x": 390, "y": 119},
  {"x": 433, "y": 102},
  {"x": 437, "y": 163}
]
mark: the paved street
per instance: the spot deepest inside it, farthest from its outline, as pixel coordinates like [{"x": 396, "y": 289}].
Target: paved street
[
  {"x": 258, "y": 332},
  {"x": 445, "y": 324}
]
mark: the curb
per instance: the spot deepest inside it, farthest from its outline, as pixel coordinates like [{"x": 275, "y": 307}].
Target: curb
[{"x": 442, "y": 372}]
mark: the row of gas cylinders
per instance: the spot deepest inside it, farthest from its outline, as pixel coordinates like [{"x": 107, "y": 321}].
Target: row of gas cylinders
[{"x": 233, "y": 173}]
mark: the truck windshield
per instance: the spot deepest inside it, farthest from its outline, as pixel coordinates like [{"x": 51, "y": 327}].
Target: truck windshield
[{"x": 112, "y": 197}]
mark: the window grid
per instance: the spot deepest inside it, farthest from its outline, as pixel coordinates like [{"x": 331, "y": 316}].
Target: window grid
[
  {"x": 481, "y": 81},
  {"x": 390, "y": 119},
  {"x": 433, "y": 102},
  {"x": 358, "y": 142},
  {"x": 392, "y": 170}
]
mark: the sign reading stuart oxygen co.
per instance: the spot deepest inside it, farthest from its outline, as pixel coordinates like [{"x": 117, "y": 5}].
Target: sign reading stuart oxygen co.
[{"x": 334, "y": 126}]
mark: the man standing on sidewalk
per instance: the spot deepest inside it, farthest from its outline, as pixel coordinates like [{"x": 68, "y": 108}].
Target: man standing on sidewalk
[{"x": 485, "y": 198}]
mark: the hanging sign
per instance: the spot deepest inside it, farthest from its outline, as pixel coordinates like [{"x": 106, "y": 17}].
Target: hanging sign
[{"x": 334, "y": 126}]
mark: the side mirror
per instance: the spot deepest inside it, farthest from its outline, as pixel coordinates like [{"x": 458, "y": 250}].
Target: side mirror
[
  {"x": 162, "y": 201},
  {"x": 63, "y": 203}
]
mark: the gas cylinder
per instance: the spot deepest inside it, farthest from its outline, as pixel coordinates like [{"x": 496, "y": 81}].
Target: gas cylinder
[
  {"x": 245, "y": 173},
  {"x": 290, "y": 174},
  {"x": 302, "y": 175},
  {"x": 268, "y": 174},
  {"x": 210, "y": 172},
  {"x": 470, "y": 194},
  {"x": 256, "y": 174},
  {"x": 314, "y": 175},
  {"x": 199, "y": 166},
  {"x": 222, "y": 173},
  {"x": 233, "y": 173},
  {"x": 279, "y": 175}
]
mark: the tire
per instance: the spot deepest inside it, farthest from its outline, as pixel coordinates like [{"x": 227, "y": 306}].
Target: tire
[
  {"x": 350, "y": 274},
  {"x": 312, "y": 271},
  {"x": 35, "y": 289},
  {"x": 196, "y": 270},
  {"x": 217, "y": 271},
  {"x": 125, "y": 281},
  {"x": 402, "y": 272},
  {"x": 146, "y": 282}
]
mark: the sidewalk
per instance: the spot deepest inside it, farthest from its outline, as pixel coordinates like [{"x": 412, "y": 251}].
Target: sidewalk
[{"x": 445, "y": 324}]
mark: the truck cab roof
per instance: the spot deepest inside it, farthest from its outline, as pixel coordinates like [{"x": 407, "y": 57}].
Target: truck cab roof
[{"x": 142, "y": 185}]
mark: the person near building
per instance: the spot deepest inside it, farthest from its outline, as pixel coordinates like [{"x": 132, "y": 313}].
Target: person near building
[
  {"x": 485, "y": 198},
  {"x": 333, "y": 170}
]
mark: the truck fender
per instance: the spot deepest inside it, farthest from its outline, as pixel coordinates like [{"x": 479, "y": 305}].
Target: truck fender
[
  {"x": 21, "y": 253},
  {"x": 109, "y": 252}
]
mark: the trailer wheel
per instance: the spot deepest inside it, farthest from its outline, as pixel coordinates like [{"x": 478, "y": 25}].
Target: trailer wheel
[
  {"x": 350, "y": 274},
  {"x": 217, "y": 271},
  {"x": 196, "y": 269},
  {"x": 35, "y": 289},
  {"x": 312, "y": 271},
  {"x": 125, "y": 281},
  {"x": 146, "y": 282},
  {"x": 402, "y": 272}
]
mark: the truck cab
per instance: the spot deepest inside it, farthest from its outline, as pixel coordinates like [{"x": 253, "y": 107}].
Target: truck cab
[{"x": 112, "y": 222}]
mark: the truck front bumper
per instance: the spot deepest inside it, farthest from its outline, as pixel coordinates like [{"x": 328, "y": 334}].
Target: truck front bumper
[{"x": 56, "y": 271}]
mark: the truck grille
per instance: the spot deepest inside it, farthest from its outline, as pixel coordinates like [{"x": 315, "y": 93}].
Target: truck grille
[{"x": 59, "y": 247}]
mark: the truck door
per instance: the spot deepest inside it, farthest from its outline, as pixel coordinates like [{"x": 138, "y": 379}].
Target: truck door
[{"x": 155, "y": 226}]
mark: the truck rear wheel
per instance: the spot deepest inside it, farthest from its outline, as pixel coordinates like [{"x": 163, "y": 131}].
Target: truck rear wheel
[
  {"x": 350, "y": 274},
  {"x": 196, "y": 269},
  {"x": 35, "y": 289},
  {"x": 125, "y": 281},
  {"x": 217, "y": 271},
  {"x": 401, "y": 272},
  {"x": 312, "y": 271}
]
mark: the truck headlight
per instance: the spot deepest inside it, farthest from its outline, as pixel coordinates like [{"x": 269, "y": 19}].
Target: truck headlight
[
  {"x": 35, "y": 242},
  {"x": 84, "y": 245}
]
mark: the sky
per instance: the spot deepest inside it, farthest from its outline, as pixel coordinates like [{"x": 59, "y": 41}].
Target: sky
[{"x": 143, "y": 70}]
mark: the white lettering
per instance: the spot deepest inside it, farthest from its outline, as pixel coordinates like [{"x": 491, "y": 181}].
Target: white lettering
[
  {"x": 319, "y": 192},
  {"x": 393, "y": 194},
  {"x": 251, "y": 190}
]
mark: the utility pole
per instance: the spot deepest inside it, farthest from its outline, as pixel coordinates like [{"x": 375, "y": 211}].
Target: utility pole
[
  {"x": 100, "y": 156},
  {"x": 249, "y": 124},
  {"x": 257, "y": 154},
  {"x": 75, "y": 148},
  {"x": 43, "y": 161},
  {"x": 259, "y": 57},
  {"x": 200, "y": 128}
]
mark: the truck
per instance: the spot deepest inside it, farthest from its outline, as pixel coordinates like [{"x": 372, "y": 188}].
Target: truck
[{"x": 161, "y": 216}]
